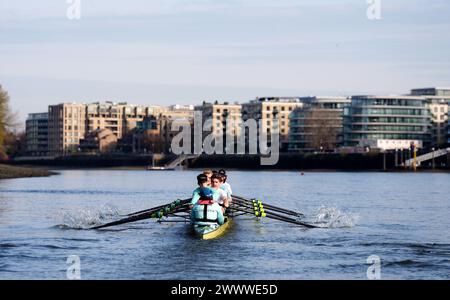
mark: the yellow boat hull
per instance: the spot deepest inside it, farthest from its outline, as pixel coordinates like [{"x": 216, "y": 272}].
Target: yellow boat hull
[{"x": 212, "y": 233}]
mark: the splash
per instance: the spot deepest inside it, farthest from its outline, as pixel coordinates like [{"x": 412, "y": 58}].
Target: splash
[
  {"x": 331, "y": 217},
  {"x": 86, "y": 218}
]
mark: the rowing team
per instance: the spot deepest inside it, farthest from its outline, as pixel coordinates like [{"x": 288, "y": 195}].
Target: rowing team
[{"x": 211, "y": 198}]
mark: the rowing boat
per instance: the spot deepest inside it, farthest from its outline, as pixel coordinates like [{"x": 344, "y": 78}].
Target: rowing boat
[
  {"x": 179, "y": 211},
  {"x": 212, "y": 231}
]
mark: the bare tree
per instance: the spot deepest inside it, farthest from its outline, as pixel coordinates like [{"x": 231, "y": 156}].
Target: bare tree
[
  {"x": 322, "y": 129},
  {"x": 7, "y": 120}
]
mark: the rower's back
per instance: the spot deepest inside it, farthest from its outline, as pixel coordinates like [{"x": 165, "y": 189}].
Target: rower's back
[{"x": 207, "y": 212}]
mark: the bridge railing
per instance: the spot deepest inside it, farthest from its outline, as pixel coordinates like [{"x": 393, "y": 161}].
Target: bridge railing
[{"x": 427, "y": 156}]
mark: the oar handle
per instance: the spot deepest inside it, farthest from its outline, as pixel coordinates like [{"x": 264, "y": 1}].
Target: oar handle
[{"x": 279, "y": 209}]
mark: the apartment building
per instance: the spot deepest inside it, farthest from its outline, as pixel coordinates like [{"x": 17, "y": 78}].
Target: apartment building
[
  {"x": 71, "y": 122},
  {"x": 448, "y": 128},
  {"x": 438, "y": 105},
  {"x": 431, "y": 91},
  {"x": 269, "y": 109},
  {"x": 404, "y": 119},
  {"x": 37, "y": 134},
  {"x": 221, "y": 114},
  {"x": 66, "y": 126},
  {"x": 154, "y": 133},
  {"x": 318, "y": 124}
]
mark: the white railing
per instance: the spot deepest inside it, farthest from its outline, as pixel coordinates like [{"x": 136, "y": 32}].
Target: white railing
[
  {"x": 425, "y": 157},
  {"x": 179, "y": 160}
]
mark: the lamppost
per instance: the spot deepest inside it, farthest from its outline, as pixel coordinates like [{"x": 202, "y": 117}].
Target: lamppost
[{"x": 396, "y": 158}]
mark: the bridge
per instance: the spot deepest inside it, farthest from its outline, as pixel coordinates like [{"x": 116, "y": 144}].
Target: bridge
[{"x": 431, "y": 155}]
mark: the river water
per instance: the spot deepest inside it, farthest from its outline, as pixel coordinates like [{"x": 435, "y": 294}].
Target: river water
[{"x": 402, "y": 219}]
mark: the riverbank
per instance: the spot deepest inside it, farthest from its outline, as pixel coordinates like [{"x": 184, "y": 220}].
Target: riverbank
[
  {"x": 8, "y": 172},
  {"x": 286, "y": 161}
]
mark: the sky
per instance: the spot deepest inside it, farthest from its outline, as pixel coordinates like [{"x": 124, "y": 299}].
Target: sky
[{"x": 184, "y": 52}]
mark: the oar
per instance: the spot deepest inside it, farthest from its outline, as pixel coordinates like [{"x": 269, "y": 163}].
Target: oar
[
  {"x": 151, "y": 213},
  {"x": 158, "y": 207},
  {"x": 274, "y": 208},
  {"x": 275, "y": 216},
  {"x": 279, "y": 209},
  {"x": 267, "y": 208},
  {"x": 258, "y": 212}
]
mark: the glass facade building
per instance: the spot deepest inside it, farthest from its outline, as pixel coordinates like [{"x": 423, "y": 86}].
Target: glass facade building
[
  {"x": 37, "y": 134},
  {"x": 390, "y": 117},
  {"x": 317, "y": 125}
]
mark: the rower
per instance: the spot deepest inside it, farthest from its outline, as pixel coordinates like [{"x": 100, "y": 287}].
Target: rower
[
  {"x": 208, "y": 174},
  {"x": 204, "y": 210},
  {"x": 222, "y": 197},
  {"x": 207, "y": 212},
  {"x": 225, "y": 185},
  {"x": 203, "y": 184}
]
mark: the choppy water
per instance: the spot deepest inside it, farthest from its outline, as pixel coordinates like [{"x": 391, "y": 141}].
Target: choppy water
[{"x": 402, "y": 218}]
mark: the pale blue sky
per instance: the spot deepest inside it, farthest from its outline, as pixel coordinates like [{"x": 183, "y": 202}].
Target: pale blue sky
[{"x": 173, "y": 51}]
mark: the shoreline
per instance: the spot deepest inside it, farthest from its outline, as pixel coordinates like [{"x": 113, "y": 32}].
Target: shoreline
[
  {"x": 54, "y": 170},
  {"x": 12, "y": 172},
  {"x": 287, "y": 162}
]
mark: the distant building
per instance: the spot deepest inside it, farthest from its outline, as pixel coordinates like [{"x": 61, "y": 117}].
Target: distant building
[
  {"x": 147, "y": 136},
  {"x": 37, "y": 134},
  {"x": 372, "y": 118},
  {"x": 99, "y": 141},
  {"x": 119, "y": 118},
  {"x": 71, "y": 122},
  {"x": 66, "y": 126},
  {"x": 448, "y": 128},
  {"x": 154, "y": 133},
  {"x": 318, "y": 124},
  {"x": 267, "y": 109},
  {"x": 433, "y": 91},
  {"x": 182, "y": 115},
  {"x": 439, "y": 109},
  {"x": 438, "y": 104},
  {"x": 220, "y": 113}
]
